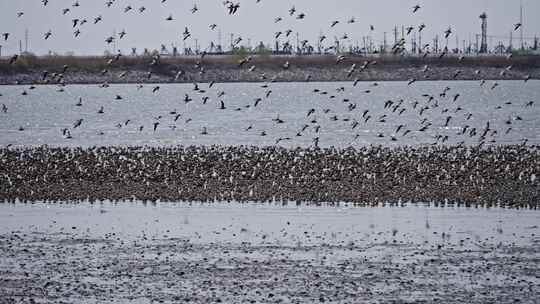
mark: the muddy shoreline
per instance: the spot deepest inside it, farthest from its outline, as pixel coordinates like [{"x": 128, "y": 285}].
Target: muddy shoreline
[
  {"x": 232, "y": 253},
  {"x": 299, "y": 75},
  {"x": 98, "y": 70}
]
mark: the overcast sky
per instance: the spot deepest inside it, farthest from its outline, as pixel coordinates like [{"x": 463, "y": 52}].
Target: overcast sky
[{"x": 253, "y": 21}]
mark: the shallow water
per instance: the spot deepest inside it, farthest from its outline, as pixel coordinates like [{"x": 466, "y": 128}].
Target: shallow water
[
  {"x": 45, "y": 111},
  {"x": 185, "y": 220},
  {"x": 135, "y": 253}
]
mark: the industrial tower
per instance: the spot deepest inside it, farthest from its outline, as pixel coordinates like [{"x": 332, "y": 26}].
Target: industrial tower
[{"x": 483, "y": 45}]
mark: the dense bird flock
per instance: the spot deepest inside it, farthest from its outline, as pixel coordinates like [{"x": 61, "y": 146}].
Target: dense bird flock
[
  {"x": 495, "y": 176},
  {"x": 492, "y": 176}
]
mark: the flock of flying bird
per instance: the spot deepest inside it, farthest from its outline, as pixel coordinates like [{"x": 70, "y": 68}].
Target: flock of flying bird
[
  {"x": 393, "y": 107},
  {"x": 231, "y": 7}
]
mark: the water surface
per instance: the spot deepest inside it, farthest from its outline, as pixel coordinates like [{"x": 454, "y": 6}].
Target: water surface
[
  {"x": 46, "y": 110},
  {"x": 233, "y": 253}
]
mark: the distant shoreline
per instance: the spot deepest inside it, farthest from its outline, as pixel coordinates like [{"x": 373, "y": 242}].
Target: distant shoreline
[{"x": 97, "y": 70}]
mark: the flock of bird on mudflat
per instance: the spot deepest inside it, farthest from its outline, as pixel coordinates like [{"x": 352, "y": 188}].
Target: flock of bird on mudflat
[
  {"x": 490, "y": 176},
  {"x": 526, "y": 191}
]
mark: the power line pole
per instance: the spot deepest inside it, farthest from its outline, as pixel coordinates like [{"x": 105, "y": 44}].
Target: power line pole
[
  {"x": 219, "y": 39},
  {"x": 511, "y": 44},
  {"x": 26, "y": 40},
  {"x": 413, "y": 43},
  {"x": 420, "y": 46},
  {"x": 384, "y": 43},
  {"x": 319, "y": 43},
  {"x": 114, "y": 41},
  {"x": 298, "y": 51},
  {"x": 365, "y": 47},
  {"x": 521, "y": 21},
  {"x": 403, "y": 37}
]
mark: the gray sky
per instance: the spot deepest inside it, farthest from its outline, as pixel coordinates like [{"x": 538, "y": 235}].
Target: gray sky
[{"x": 253, "y": 20}]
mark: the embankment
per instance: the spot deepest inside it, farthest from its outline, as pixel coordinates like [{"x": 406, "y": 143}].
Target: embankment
[{"x": 94, "y": 70}]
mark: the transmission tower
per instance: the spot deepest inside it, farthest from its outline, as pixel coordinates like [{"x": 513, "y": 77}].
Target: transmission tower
[{"x": 483, "y": 45}]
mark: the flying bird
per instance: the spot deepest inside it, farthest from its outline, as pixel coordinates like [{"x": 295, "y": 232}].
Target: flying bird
[
  {"x": 233, "y": 8},
  {"x": 77, "y": 123},
  {"x": 186, "y": 34},
  {"x": 292, "y": 10},
  {"x": 448, "y": 32}
]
